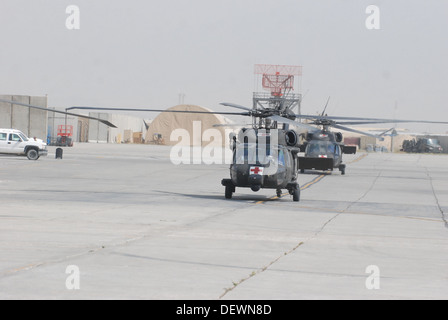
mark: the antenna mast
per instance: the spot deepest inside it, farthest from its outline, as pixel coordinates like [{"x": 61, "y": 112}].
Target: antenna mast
[{"x": 279, "y": 80}]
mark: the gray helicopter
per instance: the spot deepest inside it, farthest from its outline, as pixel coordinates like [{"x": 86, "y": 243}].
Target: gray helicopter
[
  {"x": 324, "y": 149},
  {"x": 266, "y": 156}
]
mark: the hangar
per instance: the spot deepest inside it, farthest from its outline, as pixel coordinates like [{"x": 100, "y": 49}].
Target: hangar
[{"x": 196, "y": 125}]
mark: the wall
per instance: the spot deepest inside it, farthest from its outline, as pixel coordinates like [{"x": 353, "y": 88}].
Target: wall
[
  {"x": 56, "y": 119},
  {"x": 364, "y": 141},
  {"x": 100, "y": 133},
  {"x": 32, "y": 122},
  {"x": 126, "y": 125}
]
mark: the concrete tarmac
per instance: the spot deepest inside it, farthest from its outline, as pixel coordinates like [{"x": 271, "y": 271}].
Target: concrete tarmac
[{"x": 136, "y": 226}]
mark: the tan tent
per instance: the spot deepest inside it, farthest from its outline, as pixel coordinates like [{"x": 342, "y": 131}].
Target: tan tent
[{"x": 172, "y": 128}]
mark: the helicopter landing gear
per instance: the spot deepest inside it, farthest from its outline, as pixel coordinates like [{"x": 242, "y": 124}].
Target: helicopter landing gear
[
  {"x": 342, "y": 169},
  {"x": 294, "y": 190},
  {"x": 229, "y": 192},
  {"x": 230, "y": 188}
]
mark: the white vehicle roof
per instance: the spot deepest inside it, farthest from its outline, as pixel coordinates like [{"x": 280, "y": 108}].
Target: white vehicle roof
[{"x": 10, "y": 131}]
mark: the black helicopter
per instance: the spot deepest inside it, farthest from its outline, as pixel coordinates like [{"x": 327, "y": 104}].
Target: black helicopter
[
  {"x": 323, "y": 149},
  {"x": 266, "y": 155}
]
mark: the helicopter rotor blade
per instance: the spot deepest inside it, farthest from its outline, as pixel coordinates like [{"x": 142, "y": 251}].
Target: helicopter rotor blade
[
  {"x": 350, "y": 123},
  {"x": 107, "y": 123},
  {"x": 377, "y": 120},
  {"x": 292, "y": 122},
  {"x": 356, "y": 131},
  {"x": 383, "y": 133},
  {"x": 160, "y": 110},
  {"x": 236, "y": 125}
]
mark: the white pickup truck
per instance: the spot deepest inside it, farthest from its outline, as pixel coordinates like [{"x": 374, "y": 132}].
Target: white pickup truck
[{"x": 16, "y": 143}]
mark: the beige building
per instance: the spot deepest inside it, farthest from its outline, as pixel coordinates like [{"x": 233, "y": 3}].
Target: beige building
[{"x": 195, "y": 129}]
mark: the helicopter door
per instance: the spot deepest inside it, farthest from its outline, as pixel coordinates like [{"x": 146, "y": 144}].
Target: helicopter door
[
  {"x": 284, "y": 161},
  {"x": 337, "y": 153},
  {"x": 281, "y": 158}
]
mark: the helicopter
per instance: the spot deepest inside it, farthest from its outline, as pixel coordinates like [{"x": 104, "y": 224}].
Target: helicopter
[
  {"x": 324, "y": 149},
  {"x": 266, "y": 156}
]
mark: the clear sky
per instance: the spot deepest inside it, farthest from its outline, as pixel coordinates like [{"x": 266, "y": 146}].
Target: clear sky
[{"x": 144, "y": 53}]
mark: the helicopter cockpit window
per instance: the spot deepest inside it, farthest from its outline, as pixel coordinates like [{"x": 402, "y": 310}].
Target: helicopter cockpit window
[
  {"x": 313, "y": 148},
  {"x": 281, "y": 157},
  {"x": 254, "y": 154},
  {"x": 337, "y": 150},
  {"x": 323, "y": 148},
  {"x": 317, "y": 148}
]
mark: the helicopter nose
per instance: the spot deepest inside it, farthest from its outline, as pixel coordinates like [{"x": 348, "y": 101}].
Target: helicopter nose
[{"x": 255, "y": 182}]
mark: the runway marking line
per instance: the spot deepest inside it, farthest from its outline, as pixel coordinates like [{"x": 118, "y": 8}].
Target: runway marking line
[
  {"x": 312, "y": 182},
  {"x": 306, "y": 186},
  {"x": 359, "y": 158}
]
